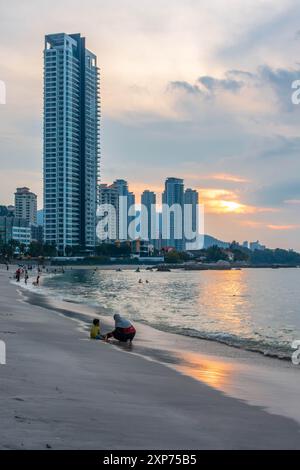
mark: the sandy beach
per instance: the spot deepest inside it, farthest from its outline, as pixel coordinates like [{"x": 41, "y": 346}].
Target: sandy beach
[{"x": 60, "y": 390}]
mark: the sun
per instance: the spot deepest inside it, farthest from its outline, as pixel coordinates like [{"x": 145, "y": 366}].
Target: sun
[{"x": 231, "y": 206}]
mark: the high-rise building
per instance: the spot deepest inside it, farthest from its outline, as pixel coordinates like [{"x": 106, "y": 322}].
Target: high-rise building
[
  {"x": 26, "y": 205},
  {"x": 71, "y": 142},
  {"x": 173, "y": 214},
  {"x": 148, "y": 216},
  {"x": 119, "y": 196},
  {"x": 126, "y": 205},
  {"x": 191, "y": 201},
  {"x": 109, "y": 196}
]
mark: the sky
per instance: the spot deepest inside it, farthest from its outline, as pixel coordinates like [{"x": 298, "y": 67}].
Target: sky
[{"x": 197, "y": 89}]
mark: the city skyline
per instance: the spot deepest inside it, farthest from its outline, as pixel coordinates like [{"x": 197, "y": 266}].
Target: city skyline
[{"x": 178, "y": 103}]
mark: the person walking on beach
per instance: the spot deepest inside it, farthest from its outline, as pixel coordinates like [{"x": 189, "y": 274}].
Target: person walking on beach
[
  {"x": 18, "y": 275},
  {"x": 26, "y": 277},
  {"x": 124, "y": 330}
]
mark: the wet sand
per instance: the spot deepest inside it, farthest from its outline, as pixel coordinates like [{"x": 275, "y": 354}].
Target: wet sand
[{"x": 61, "y": 390}]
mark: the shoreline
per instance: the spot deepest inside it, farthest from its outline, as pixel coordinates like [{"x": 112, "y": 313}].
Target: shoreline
[
  {"x": 283, "y": 353},
  {"x": 224, "y": 367},
  {"x": 60, "y": 389}
]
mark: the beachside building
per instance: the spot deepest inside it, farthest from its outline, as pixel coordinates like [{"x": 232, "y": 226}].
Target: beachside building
[
  {"x": 15, "y": 228},
  {"x": 173, "y": 221},
  {"x": 256, "y": 246},
  {"x": 26, "y": 205},
  {"x": 71, "y": 142}
]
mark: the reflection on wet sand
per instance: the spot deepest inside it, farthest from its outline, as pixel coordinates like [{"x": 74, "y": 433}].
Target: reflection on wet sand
[{"x": 213, "y": 372}]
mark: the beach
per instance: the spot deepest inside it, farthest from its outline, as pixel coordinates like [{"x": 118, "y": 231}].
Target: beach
[{"x": 60, "y": 390}]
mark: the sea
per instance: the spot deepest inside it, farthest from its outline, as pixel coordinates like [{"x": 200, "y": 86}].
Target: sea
[{"x": 252, "y": 309}]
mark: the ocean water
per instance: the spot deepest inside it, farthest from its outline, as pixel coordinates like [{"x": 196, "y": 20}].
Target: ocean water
[{"x": 255, "y": 309}]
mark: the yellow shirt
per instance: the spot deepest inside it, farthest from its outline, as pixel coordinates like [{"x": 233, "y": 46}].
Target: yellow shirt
[{"x": 95, "y": 331}]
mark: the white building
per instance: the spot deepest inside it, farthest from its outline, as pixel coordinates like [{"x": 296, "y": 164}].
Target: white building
[
  {"x": 71, "y": 142},
  {"x": 21, "y": 234},
  {"x": 256, "y": 246},
  {"x": 26, "y": 205}
]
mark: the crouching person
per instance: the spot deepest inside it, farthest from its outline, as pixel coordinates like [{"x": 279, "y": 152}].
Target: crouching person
[{"x": 124, "y": 330}]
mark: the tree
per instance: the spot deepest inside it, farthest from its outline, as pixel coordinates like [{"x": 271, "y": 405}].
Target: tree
[
  {"x": 36, "y": 249},
  {"x": 214, "y": 254},
  {"x": 49, "y": 250}
]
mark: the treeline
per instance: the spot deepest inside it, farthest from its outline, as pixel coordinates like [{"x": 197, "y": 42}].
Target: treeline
[
  {"x": 35, "y": 249},
  {"x": 278, "y": 256},
  {"x": 236, "y": 254}
]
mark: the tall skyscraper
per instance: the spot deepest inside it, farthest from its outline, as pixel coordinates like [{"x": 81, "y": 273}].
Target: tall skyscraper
[
  {"x": 126, "y": 203},
  {"x": 173, "y": 222},
  {"x": 191, "y": 201},
  {"x": 71, "y": 142},
  {"x": 109, "y": 196},
  {"x": 26, "y": 205},
  {"x": 148, "y": 216},
  {"x": 121, "y": 199}
]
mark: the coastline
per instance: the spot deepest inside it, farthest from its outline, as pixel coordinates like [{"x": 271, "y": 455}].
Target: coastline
[{"x": 64, "y": 391}]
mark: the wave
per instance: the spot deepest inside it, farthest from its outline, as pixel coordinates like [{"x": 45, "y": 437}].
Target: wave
[{"x": 269, "y": 349}]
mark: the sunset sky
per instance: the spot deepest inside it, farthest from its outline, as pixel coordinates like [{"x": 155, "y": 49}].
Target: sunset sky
[{"x": 199, "y": 89}]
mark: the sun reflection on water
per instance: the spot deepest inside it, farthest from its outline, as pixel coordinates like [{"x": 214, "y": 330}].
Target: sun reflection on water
[{"x": 213, "y": 372}]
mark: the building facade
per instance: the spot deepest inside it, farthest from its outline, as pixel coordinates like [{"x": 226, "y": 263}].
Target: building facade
[
  {"x": 123, "y": 201},
  {"x": 71, "y": 142},
  {"x": 109, "y": 196},
  {"x": 149, "y": 229},
  {"x": 15, "y": 228},
  {"x": 191, "y": 215},
  {"x": 173, "y": 222},
  {"x": 26, "y": 205}
]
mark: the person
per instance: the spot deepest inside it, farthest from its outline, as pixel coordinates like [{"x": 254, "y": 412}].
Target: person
[
  {"x": 18, "y": 274},
  {"x": 124, "y": 330},
  {"x": 26, "y": 277},
  {"x": 95, "y": 329}
]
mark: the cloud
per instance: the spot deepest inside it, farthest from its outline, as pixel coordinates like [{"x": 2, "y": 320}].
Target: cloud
[
  {"x": 292, "y": 201},
  {"x": 277, "y": 193},
  {"x": 283, "y": 227},
  {"x": 229, "y": 177},
  {"x": 185, "y": 86},
  {"x": 212, "y": 84},
  {"x": 222, "y": 201}
]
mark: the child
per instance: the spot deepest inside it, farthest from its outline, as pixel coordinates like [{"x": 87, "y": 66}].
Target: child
[{"x": 95, "y": 329}]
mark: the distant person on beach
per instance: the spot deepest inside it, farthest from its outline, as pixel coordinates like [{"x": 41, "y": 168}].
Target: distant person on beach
[
  {"x": 37, "y": 282},
  {"x": 95, "y": 329},
  {"x": 26, "y": 277},
  {"x": 18, "y": 275},
  {"x": 124, "y": 330}
]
